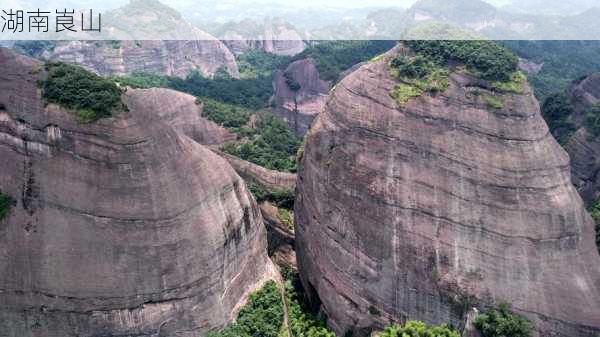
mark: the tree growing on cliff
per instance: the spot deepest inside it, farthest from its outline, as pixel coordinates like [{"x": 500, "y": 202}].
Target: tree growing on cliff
[
  {"x": 91, "y": 96},
  {"x": 261, "y": 317},
  {"x": 502, "y": 323},
  {"x": 6, "y": 202},
  {"x": 592, "y": 120}
]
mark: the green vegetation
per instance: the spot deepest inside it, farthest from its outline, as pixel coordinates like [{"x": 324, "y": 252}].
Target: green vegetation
[
  {"x": 142, "y": 80},
  {"x": 262, "y": 316},
  {"x": 254, "y": 64},
  {"x": 286, "y": 217},
  {"x": 91, "y": 96},
  {"x": 418, "y": 75},
  {"x": 280, "y": 198},
  {"x": 592, "y": 120},
  {"x": 488, "y": 59},
  {"x": 291, "y": 82},
  {"x": 302, "y": 321},
  {"x": 502, "y": 324},
  {"x": 270, "y": 144},
  {"x": 557, "y": 110},
  {"x": 252, "y": 93},
  {"x": 490, "y": 99},
  {"x": 228, "y": 115},
  {"x": 563, "y": 62},
  {"x": 427, "y": 71},
  {"x": 418, "y": 329},
  {"x": 6, "y": 202},
  {"x": 403, "y": 92},
  {"x": 514, "y": 84},
  {"x": 595, "y": 213},
  {"x": 334, "y": 57},
  {"x": 34, "y": 48}
]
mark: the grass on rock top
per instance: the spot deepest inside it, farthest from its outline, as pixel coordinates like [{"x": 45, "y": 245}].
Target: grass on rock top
[
  {"x": 428, "y": 70},
  {"x": 90, "y": 96}
]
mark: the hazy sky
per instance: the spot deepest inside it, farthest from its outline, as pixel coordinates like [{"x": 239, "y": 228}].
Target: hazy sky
[{"x": 179, "y": 4}]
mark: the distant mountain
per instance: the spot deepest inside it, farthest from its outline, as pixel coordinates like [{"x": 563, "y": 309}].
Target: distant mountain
[
  {"x": 275, "y": 36},
  {"x": 551, "y": 7},
  {"x": 182, "y": 49}
]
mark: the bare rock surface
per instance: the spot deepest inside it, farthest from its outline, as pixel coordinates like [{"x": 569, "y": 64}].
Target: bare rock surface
[
  {"x": 173, "y": 58},
  {"x": 251, "y": 172},
  {"x": 300, "y": 107},
  {"x": 176, "y": 47},
  {"x": 274, "y": 36},
  {"x": 423, "y": 210},
  {"x": 122, "y": 227},
  {"x": 279, "y": 236}
]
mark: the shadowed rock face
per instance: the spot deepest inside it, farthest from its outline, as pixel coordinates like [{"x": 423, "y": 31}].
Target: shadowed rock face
[
  {"x": 420, "y": 211},
  {"x": 299, "y": 108},
  {"x": 122, "y": 227},
  {"x": 174, "y": 58},
  {"x": 582, "y": 147}
]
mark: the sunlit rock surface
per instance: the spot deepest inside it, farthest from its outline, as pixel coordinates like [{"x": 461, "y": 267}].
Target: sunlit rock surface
[
  {"x": 424, "y": 210},
  {"x": 123, "y": 227}
]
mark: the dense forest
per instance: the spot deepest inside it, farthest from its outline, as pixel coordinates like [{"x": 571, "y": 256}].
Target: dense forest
[
  {"x": 563, "y": 62},
  {"x": 334, "y": 57},
  {"x": 91, "y": 97}
]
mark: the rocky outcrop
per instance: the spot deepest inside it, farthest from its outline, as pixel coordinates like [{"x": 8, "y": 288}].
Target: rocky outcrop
[
  {"x": 172, "y": 47},
  {"x": 122, "y": 227},
  {"x": 173, "y": 58},
  {"x": 279, "y": 236},
  {"x": 271, "y": 179},
  {"x": 420, "y": 211},
  {"x": 583, "y": 147},
  {"x": 299, "y": 106},
  {"x": 274, "y": 36}
]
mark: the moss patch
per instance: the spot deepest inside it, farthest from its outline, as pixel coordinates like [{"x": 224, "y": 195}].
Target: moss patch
[
  {"x": 417, "y": 75},
  {"x": 403, "y": 92},
  {"x": 286, "y": 217},
  {"x": 515, "y": 84},
  {"x": 6, "y": 203}
]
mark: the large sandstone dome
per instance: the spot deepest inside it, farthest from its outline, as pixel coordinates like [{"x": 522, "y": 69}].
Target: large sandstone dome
[
  {"x": 122, "y": 227},
  {"x": 423, "y": 210},
  {"x": 171, "y": 46}
]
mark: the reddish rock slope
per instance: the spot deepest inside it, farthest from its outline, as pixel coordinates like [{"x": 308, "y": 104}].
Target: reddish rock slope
[
  {"x": 420, "y": 211},
  {"x": 122, "y": 227}
]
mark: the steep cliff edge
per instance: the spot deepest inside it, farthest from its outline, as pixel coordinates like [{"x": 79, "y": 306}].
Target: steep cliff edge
[
  {"x": 121, "y": 227},
  {"x": 172, "y": 58},
  {"x": 583, "y": 146},
  {"x": 453, "y": 199}
]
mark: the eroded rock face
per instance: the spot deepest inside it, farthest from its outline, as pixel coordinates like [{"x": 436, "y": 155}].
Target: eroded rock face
[
  {"x": 173, "y": 58},
  {"x": 300, "y": 107},
  {"x": 272, "y": 35},
  {"x": 122, "y": 227},
  {"x": 583, "y": 147},
  {"x": 419, "y": 211}
]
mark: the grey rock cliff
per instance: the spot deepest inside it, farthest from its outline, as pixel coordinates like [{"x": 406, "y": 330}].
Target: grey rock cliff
[
  {"x": 173, "y": 58},
  {"x": 300, "y": 107},
  {"x": 122, "y": 227},
  {"x": 421, "y": 210}
]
